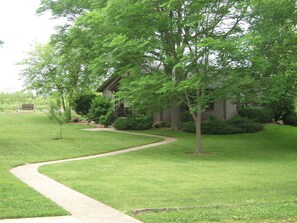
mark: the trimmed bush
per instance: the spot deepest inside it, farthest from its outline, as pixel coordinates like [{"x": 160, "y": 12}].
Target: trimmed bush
[
  {"x": 122, "y": 124},
  {"x": 186, "y": 117},
  {"x": 245, "y": 124},
  {"x": 82, "y": 103},
  {"x": 290, "y": 119},
  {"x": 189, "y": 127},
  {"x": 215, "y": 126},
  {"x": 133, "y": 123},
  {"x": 258, "y": 114}
]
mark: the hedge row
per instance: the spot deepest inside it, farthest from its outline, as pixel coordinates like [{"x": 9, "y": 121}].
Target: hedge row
[
  {"x": 133, "y": 123},
  {"x": 258, "y": 114},
  {"x": 215, "y": 126},
  {"x": 267, "y": 115}
]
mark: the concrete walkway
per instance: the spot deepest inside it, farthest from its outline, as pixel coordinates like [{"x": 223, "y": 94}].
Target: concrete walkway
[{"x": 82, "y": 208}]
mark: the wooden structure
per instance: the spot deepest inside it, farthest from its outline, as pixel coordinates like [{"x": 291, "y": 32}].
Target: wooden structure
[{"x": 28, "y": 107}]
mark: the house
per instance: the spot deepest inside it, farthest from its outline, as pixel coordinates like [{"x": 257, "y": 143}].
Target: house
[
  {"x": 223, "y": 109},
  {"x": 108, "y": 89}
]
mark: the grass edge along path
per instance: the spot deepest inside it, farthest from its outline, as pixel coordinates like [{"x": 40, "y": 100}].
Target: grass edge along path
[
  {"x": 171, "y": 177},
  {"x": 30, "y": 138},
  {"x": 74, "y": 202}
]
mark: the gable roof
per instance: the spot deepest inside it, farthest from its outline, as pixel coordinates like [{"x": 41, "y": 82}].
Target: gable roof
[{"x": 110, "y": 84}]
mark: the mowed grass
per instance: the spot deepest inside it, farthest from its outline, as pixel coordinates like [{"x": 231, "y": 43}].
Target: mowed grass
[
  {"x": 29, "y": 138},
  {"x": 241, "y": 178}
]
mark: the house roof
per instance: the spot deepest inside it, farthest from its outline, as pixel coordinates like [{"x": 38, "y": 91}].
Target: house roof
[{"x": 110, "y": 84}]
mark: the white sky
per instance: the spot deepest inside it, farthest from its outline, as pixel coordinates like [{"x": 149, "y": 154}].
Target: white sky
[{"x": 20, "y": 27}]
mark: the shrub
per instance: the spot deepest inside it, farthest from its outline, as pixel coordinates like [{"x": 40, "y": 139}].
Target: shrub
[
  {"x": 106, "y": 119},
  {"x": 290, "y": 119},
  {"x": 215, "y": 126},
  {"x": 82, "y": 103},
  {"x": 245, "y": 124},
  {"x": 258, "y": 114},
  {"x": 187, "y": 117},
  {"x": 99, "y": 106},
  {"x": 189, "y": 127},
  {"x": 133, "y": 123},
  {"x": 161, "y": 124},
  {"x": 122, "y": 124},
  {"x": 282, "y": 107}
]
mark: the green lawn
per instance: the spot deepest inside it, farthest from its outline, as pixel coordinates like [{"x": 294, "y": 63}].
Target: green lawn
[
  {"x": 243, "y": 178},
  {"x": 29, "y": 137}
]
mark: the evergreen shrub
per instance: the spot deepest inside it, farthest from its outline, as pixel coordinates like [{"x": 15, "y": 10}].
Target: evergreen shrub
[
  {"x": 258, "y": 114},
  {"x": 82, "y": 103},
  {"x": 133, "y": 122},
  {"x": 215, "y": 126},
  {"x": 189, "y": 127},
  {"x": 99, "y": 106},
  {"x": 290, "y": 119},
  {"x": 245, "y": 124}
]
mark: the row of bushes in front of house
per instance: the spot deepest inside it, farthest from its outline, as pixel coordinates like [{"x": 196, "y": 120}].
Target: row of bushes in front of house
[
  {"x": 248, "y": 120},
  {"x": 211, "y": 126},
  {"x": 133, "y": 122},
  {"x": 268, "y": 115},
  {"x": 258, "y": 114},
  {"x": 98, "y": 109},
  {"x": 215, "y": 126}
]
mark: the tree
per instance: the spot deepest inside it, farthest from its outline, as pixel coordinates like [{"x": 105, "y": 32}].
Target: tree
[
  {"x": 59, "y": 66},
  {"x": 185, "y": 49},
  {"x": 56, "y": 114},
  {"x": 275, "y": 43},
  {"x": 70, "y": 9},
  {"x": 42, "y": 73},
  {"x": 1, "y": 42},
  {"x": 183, "y": 52}
]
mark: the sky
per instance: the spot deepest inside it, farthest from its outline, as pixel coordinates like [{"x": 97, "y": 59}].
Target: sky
[{"x": 20, "y": 27}]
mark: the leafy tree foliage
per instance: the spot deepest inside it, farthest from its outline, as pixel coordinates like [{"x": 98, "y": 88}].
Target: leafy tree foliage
[
  {"x": 55, "y": 113},
  {"x": 42, "y": 73},
  {"x": 275, "y": 43},
  {"x": 69, "y": 9},
  {"x": 181, "y": 52},
  {"x": 176, "y": 50}
]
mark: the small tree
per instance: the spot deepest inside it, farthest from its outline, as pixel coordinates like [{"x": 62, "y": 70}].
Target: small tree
[{"x": 56, "y": 113}]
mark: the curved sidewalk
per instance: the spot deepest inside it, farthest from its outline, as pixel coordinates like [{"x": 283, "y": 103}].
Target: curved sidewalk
[{"x": 81, "y": 207}]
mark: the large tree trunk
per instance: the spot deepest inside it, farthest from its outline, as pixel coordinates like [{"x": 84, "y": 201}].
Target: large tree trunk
[
  {"x": 198, "y": 148},
  {"x": 175, "y": 118}
]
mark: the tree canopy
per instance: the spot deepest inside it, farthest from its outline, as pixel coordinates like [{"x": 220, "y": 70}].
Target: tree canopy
[{"x": 172, "y": 53}]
